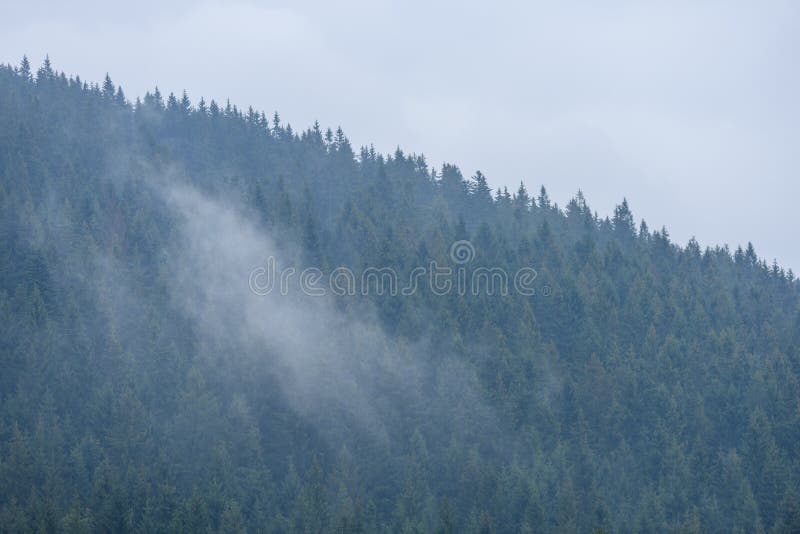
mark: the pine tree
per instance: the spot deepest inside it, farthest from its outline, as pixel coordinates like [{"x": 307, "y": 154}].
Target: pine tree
[
  {"x": 45, "y": 72},
  {"x": 479, "y": 188},
  {"x": 623, "y": 219},
  {"x": 522, "y": 200},
  {"x": 544, "y": 199},
  {"x": 186, "y": 104},
  {"x": 109, "y": 90},
  {"x": 25, "y": 68}
]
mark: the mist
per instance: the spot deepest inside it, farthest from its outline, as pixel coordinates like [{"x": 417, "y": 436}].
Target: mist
[
  {"x": 686, "y": 109},
  {"x": 627, "y": 382},
  {"x": 329, "y": 361}
]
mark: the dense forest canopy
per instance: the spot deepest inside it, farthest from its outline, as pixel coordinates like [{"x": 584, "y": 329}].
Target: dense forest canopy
[{"x": 640, "y": 387}]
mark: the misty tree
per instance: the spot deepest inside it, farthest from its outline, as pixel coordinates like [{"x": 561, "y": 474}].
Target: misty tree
[{"x": 645, "y": 386}]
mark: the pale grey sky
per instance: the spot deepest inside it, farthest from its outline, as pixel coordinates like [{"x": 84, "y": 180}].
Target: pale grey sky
[{"x": 688, "y": 109}]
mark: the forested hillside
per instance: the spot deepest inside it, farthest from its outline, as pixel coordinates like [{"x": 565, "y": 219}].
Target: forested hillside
[{"x": 640, "y": 386}]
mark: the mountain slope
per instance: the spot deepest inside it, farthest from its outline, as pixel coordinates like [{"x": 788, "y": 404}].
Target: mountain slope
[{"x": 638, "y": 385}]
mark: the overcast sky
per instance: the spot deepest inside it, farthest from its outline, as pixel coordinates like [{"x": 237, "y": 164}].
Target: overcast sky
[{"x": 688, "y": 109}]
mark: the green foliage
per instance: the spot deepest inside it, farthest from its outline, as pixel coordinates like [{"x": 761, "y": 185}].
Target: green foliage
[{"x": 650, "y": 387}]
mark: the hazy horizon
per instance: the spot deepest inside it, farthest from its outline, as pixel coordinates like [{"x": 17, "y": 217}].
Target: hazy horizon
[
  {"x": 688, "y": 111},
  {"x": 211, "y": 324}
]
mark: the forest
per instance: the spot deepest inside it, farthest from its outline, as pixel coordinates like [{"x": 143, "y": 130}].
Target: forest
[{"x": 639, "y": 386}]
